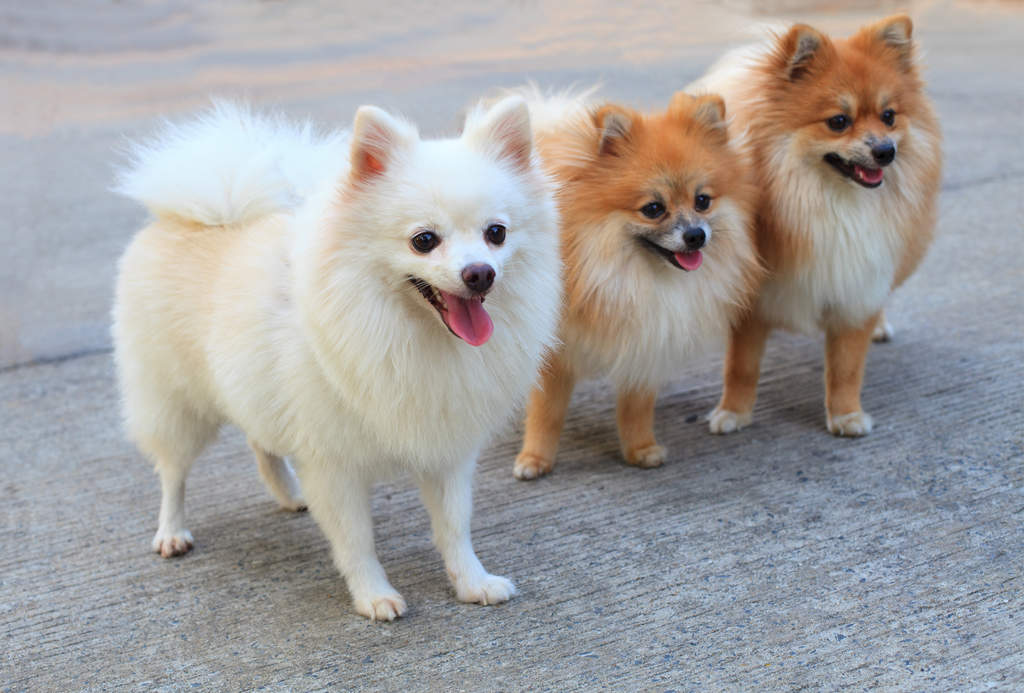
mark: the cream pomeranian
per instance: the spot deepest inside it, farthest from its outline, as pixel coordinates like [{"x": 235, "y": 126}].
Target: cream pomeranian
[
  {"x": 659, "y": 259},
  {"x": 847, "y": 150},
  {"x": 367, "y": 303}
]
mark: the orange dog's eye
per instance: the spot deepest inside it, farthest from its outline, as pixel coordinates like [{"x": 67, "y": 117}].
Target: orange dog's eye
[
  {"x": 652, "y": 210},
  {"x": 702, "y": 202},
  {"x": 838, "y": 123},
  {"x": 889, "y": 117}
]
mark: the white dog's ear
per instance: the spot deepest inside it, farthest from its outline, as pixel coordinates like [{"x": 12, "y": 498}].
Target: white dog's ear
[
  {"x": 376, "y": 139},
  {"x": 505, "y": 130}
]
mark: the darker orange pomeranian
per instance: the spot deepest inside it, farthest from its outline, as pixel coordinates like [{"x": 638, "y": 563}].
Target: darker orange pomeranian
[
  {"x": 846, "y": 148},
  {"x": 658, "y": 253}
]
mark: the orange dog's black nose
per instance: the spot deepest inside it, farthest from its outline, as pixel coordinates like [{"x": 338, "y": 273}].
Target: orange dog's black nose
[
  {"x": 478, "y": 277},
  {"x": 883, "y": 153},
  {"x": 694, "y": 238}
]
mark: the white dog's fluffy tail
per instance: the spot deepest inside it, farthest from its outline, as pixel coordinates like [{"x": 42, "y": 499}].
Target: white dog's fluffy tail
[{"x": 229, "y": 165}]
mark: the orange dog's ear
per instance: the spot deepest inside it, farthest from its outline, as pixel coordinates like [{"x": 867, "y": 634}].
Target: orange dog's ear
[
  {"x": 710, "y": 110},
  {"x": 801, "y": 50},
  {"x": 615, "y": 124},
  {"x": 891, "y": 35}
]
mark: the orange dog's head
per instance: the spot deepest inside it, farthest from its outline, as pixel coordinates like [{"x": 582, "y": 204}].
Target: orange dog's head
[
  {"x": 662, "y": 185},
  {"x": 846, "y": 105}
]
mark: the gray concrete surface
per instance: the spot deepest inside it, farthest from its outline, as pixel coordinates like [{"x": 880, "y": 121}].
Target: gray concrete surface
[{"x": 780, "y": 558}]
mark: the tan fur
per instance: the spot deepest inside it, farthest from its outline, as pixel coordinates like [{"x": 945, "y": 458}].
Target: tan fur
[
  {"x": 834, "y": 250},
  {"x": 629, "y": 314}
]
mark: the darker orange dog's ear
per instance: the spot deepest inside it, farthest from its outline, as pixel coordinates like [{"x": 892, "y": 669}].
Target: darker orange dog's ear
[
  {"x": 615, "y": 124},
  {"x": 801, "y": 50},
  {"x": 706, "y": 110},
  {"x": 710, "y": 110},
  {"x": 890, "y": 35}
]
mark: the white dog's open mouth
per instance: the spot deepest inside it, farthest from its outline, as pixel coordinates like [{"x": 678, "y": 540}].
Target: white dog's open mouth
[{"x": 464, "y": 317}]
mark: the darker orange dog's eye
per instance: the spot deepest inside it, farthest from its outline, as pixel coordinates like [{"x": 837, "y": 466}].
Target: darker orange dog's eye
[
  {"x": 652, "y": 210},
  {"x": 702, "y": 202},
  {"x": 888, "y": 117},
  {"x": 838, "y": 123}
]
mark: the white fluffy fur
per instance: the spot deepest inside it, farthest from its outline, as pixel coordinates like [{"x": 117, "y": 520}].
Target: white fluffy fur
[{"x": 271, "y": 292}]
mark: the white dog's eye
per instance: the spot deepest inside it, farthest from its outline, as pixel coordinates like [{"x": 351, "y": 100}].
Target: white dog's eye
[
  {"x": 495, "y": 234},
  {"x": 425, "y": 242}
]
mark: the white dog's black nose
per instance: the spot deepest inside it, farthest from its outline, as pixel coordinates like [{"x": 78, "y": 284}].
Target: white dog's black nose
[
  {"x": 478, "y": 277},
  {"x": 883, "y": 153},
  {"x": 694, "y": 238}
]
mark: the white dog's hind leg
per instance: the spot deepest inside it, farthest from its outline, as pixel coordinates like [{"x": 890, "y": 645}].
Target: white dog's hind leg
[
  {"x": 340, "y": 502},
  {"x": 279, "y": 479},
  {"x": 449, "y": 500},
  {"x": 173, "y": 462}
]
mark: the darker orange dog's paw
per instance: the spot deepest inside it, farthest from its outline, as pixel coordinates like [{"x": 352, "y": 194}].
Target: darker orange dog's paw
[
  {"x": 646, "y": 457},
  {"x": 531, "y": 466}
]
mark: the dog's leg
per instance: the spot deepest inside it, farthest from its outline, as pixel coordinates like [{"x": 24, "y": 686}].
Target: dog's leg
[
  {"x": 174, "y": 459},
  {"x": 635, "y": 414},
  {"x": 846, "y": 352},
  {"x": 740, "y": 374},
  {"x": 279, "y": 479},
  {"x": 340, "y": 503},
  {"x": 545, "y": 415},
  {"x": 883, "y": 331},
  {"x": 448, "y": 497}
]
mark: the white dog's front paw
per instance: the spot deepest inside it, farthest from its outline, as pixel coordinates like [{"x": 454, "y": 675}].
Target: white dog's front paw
[
  {"x": 295, "y": 504},
  {"x": 854, "y": 424},
  {"x": 169, "y": 543},
  {"x": 386, "y": 606},
  {"x": 488, "y": 589},
  {"x": 883, "y": 331},
  {"x": 725, "y": 421}
]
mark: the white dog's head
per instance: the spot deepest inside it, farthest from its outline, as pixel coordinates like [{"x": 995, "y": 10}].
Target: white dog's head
[{"x": 449, "y": 224}]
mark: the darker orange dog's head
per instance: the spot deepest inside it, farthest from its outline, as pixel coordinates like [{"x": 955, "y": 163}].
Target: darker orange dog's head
[
  {"x": 848, "y": 105},
  {"x": 664, "y": 183}
]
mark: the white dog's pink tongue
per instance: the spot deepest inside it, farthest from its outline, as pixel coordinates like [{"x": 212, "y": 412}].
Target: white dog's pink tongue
[
  {"x": 467, "y": 318},
  {"x": 868, "y": 175},
  {"x": 689, "y": 260}
]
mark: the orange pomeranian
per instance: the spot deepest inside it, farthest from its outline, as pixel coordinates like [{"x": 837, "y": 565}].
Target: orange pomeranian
[
  {"x": 847, "y": 150},
  {"x": 658, "y": 252}
]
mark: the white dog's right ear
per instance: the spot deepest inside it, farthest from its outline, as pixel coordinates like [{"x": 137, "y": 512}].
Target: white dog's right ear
[
  {"x": 376, "y": 139},
  {"x": 505, "y": 130}
]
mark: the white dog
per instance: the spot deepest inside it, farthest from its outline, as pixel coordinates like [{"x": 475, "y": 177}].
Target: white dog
[{"x": 327, "y": 295}]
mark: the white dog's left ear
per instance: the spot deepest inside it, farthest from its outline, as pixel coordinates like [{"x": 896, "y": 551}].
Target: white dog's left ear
[
  {"x": 377, "y": 138},
  {"x": 504, "y": 130}
]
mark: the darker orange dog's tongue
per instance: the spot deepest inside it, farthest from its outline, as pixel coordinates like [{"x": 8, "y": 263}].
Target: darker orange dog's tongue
[
  {"x": 868, "y": 175},
  {"x": 467, "y": 318}
]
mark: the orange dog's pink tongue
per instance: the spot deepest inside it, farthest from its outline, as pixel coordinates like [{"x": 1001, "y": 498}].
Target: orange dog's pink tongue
[
  {"x": 467, "y": 318},
  {"x": 868, "y": 175},
  {"x": 689, "y": 260}
]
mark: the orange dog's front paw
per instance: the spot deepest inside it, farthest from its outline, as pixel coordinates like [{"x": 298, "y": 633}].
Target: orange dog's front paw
[
  {"x": 531, "y": 466},
  {"x": 851, "y": 425},
  {"x": 725, "y": 421},
  {"x": 646, "y": 457}
]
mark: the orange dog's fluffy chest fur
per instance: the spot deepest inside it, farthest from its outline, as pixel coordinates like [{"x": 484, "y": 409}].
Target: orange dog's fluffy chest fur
[{"x": 834, "y": 250}]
